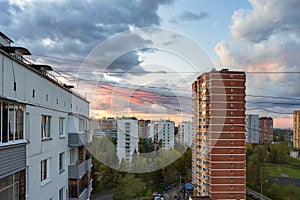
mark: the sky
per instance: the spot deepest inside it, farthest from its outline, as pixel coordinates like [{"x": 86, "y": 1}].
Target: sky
[{"x": 98, "y": 46}]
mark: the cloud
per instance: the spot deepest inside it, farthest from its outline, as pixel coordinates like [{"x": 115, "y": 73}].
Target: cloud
[
  {"x": 73, "y": 28},
  {"x": 266, "y": 39},
  {"x": 267, "y": 18},
  {"x": 189, "y": 16}
]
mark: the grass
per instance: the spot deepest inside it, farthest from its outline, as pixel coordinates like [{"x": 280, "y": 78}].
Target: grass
[{"x": 282, "y": 171}]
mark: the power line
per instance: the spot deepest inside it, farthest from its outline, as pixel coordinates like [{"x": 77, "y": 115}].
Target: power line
[
  {"x": 83, "y": 61},
  {"x": 282, "y": 113},
  {"x": 161, "y": 96}
]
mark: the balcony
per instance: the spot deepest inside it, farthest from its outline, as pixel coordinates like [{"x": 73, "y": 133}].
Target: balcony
[
  {"x": 83, "y": 196},
  {"x": 78, "y": 139},
  {"x": 77, "y": 171},
  {"x": 88, "y": 164},
  {"x": 13, "y": 158}
]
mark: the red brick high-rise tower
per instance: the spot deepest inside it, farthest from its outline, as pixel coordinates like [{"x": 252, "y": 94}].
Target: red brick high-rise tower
[{"x": 218, "y": 149}]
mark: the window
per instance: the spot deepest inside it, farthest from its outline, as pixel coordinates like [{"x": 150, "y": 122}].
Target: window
[
  {"x": 45, "y": 171},
  {"x": 10, "y": 187},
  {"x": 45, "y": 129},
  {"x": 61, "y": 194},
  {"x": 81, "y": 125},
  {"x": 73, "y": 156},
  {"x": 12, "y": 122},
  {"x": 27, "y": 120},
  {"x": 61, "y": 126},
  {"x": 61, "y": 161},
  {"x": 19, "y": 122}
]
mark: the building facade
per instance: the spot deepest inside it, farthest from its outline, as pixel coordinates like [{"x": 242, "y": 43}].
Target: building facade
[
  {"x": 46, "y": 122},
  {"x": 266, "y": 129},
  {"x": 185, "y": 133},
  {"x": 218, "y": 148},
  {"x": 163, "y": 132},
  {"x": 252, "y": 129},
  {"x": 127, "y": 138},
  {"x": 143, "y": 128},
  {"x": 105, "y": 126},
  {"x": 296, "y": 122}
]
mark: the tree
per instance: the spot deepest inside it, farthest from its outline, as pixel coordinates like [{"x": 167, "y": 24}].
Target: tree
[
  {"x": 279, "y": 153},
  {"x": 292, "y": 192},
  {"x": 249, "y": 150},
  {"x": 261, "y": 153},
  {"x": 275, "y": 192},
  {"x": 128, "y": 187}
]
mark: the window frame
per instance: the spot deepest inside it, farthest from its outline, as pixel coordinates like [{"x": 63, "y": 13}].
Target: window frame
[
  {"x": 12, "y": 122},
  {"x": 61, "y": 127},
  {"x": 45, "y": 175},
  {"x": 61, "y": 162},
  {"x": 61, "y": 194},
  {"x": 44, "y": 127}
]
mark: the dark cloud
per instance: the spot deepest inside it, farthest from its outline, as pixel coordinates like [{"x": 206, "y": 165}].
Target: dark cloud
[
  {"x": 73, "y": 28},
  {"x": 128, "y": 63},
  {"x": 189, "y": 16}
]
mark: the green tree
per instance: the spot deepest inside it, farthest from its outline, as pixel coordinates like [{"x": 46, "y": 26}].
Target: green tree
[
  {"x": 261, "y": 153},
  {"x": 275, "y": 192},
  {"x": 279, "y": 153},
  {"x": 128, "y": 187},
  {"x": 149, "y": 193},
  {"x": 292, "y": 192}
]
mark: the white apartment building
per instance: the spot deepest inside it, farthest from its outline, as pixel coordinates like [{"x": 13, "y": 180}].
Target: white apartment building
[
  {"x": 252, "y": 129},
  {"x": 185, "y": 133},
  {"x": 48, "y": 128},
  {"x": 164, "y": 131},
  {"x": 127, "y": 137},
  {"x": 150, "y": 130}
]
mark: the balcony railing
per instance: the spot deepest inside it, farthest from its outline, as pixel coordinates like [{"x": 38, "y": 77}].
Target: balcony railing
[
  {"x": 78, "y": 139},
  {"x": 77, "y": 171}
]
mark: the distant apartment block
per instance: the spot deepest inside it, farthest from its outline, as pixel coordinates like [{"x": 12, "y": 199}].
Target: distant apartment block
[
  {"x": 296, "y": 121},
  {"x": 44, "y": 126},
  {"x": 266, "y": 129},
  {"x": 150, "y": 130},
  {"x": 105, "y": 126},
  {"x": 185, "y": 133},
  {"x": 218, "y": 124},
  {"x": 163, "y": 132},
  {"x": 252, "y": 129},
  {"x": 143, "y": 125},
  {"x": 127, "y": 138}
]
